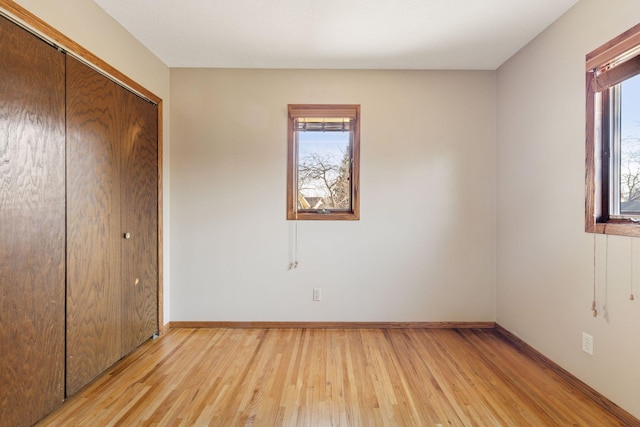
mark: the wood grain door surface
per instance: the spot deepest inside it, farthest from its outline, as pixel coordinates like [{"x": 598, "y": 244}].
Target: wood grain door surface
[
  {"x": 32, "y": 226},
  {"x": 139, "y": 218},
  {"x": 93, "y": 225},
  {"x": 112, "y": 180}
]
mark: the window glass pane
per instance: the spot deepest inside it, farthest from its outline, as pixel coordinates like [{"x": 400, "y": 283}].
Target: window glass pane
[
  {"x": 630, "y": 146},
  {"x": 324, "y": 170}
]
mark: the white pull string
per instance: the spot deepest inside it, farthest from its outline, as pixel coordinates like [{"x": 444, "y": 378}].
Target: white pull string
[
  {"x": 631, "y": 294},
  {"x": 294, "y": 263},
  {"x": 594, "y": 309}
]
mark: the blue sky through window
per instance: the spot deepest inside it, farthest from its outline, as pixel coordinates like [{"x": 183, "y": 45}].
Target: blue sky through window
[
  {"x": 631, "y": 109},
  {"x": 329, "y": 143}
]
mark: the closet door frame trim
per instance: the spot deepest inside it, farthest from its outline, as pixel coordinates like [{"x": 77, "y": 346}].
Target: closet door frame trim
[{"x": 30, "y": 22}]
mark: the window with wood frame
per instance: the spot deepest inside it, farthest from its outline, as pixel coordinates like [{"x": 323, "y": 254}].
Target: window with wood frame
[
  {"x": 613, "y": 136},
  {"x": 323, "y": 162}
]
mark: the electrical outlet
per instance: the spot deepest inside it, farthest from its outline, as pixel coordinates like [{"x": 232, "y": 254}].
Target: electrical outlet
[
  {"x": 317, "y": 294},
  {"x": 587, "y": 343}
]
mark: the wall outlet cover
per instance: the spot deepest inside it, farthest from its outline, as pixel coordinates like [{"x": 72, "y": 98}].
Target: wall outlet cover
[{"x": 587, "y": 343}]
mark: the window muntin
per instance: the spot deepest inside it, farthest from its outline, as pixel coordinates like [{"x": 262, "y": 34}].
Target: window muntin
[
  {"x": 322, "y": 173},
  {"x": 613, "y": 136}
]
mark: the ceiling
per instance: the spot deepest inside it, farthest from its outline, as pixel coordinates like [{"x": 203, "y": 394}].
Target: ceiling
[{"x": 342, "y": 34}]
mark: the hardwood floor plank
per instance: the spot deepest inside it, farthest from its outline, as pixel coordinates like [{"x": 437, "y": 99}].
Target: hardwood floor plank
[{"x": 337, "y": 377}]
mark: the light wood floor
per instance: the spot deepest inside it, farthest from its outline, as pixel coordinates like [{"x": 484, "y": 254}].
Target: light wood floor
[{"x": 316, "y": 377}]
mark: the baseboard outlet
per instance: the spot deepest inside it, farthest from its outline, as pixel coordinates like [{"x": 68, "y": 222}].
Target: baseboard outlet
[
  {"x": 627, "y": 418},
  {"x": 333, "y": 325}
]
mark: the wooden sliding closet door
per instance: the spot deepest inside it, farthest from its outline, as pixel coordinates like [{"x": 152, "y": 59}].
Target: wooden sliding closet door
[
  {"x": 112, "y": 223},
  {"x": 139, "y": 203},
  {"x": 32, "y": 226},
  {"x": 94, "y": 296}
]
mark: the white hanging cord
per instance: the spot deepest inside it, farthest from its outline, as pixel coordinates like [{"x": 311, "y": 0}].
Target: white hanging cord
[
  {"x": 594, "y": 310},
  {"x": 631, "y": 295},
  {"x": 294, "y": 262}
]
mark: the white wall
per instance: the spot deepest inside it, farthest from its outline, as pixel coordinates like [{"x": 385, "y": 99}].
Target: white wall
[
  {"x": 424, "y": 249},
  {"x": 84, "y": 22},
  {"x": 545, "y": 259}
]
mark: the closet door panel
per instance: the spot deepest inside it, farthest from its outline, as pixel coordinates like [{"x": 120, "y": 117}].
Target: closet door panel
[
  {"x": 93, "y": 225},
  {"x": 139, "y": 202},
  {"x": 32, "y": 227}
]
